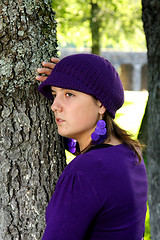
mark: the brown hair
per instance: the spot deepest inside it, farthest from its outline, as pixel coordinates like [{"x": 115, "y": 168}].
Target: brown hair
[{"x": 122, "y": 135}]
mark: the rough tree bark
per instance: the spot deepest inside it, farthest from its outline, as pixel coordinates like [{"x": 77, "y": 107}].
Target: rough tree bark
[
  {"x": 32, "y": 153},
  {"x": 151, "y": 20}
]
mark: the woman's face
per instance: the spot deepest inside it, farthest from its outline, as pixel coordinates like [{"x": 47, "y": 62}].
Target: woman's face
[{"x": 76, "y": 113}]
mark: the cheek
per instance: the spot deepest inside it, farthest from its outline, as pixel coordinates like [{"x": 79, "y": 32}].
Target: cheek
[{"x": 86, "y": 116}]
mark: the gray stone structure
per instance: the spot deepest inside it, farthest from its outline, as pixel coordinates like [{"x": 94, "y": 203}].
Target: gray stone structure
[{"x": 131, "y": 66}]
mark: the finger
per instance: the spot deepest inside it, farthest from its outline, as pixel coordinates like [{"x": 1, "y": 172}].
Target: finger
[
  {"x": 46, "y": 71},
  {"x": 56, "y": 60},
  {"x": 48, "y": 65},
  {"x": 41, "y": 78}
]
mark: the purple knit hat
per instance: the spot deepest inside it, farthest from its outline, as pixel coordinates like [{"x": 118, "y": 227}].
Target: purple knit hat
[{"x": 90, "y": 74}]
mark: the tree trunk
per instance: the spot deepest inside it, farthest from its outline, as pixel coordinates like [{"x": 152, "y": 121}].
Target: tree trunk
[
  {"x": 151, "y": 20},
  {"x": 143, "y": 131},
  {"x": 95, "y": 27},
  {"x": 32, "y": 153}
]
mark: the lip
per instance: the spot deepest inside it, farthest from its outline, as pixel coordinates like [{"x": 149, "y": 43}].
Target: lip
[{"x": 59, "y": 120}]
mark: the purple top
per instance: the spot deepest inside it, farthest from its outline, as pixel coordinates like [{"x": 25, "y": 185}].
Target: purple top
[{"x": 100, "y": 195}]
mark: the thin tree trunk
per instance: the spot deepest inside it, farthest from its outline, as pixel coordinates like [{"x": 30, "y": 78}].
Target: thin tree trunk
[
  {"x": 151, "y": 20},
  {"x": 32, "y": 153},
  {"x": 95, "y": 27}
]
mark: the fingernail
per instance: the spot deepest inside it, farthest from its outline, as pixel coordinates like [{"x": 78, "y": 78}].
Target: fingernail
[
  {"x": 39, "y": 69},
  {"x": 53, "y": 59},
  {"x": 37, "y": 77}
]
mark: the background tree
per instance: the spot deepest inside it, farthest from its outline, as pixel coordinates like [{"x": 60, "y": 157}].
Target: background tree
[
  {"x": 95, "y": 25},
  {"x": 100, "y": 23},
  {"x": 151, "y": 20},
  {"x": 32, "y": 155}
]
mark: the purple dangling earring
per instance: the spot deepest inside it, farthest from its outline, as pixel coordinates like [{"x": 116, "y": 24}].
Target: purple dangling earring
[
  {"x": 72, "y": 144},
  {"x": 100, "y": 133}
]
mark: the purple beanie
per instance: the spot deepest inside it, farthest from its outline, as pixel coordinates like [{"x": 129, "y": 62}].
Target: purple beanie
[{"x": 90, "y": 74}]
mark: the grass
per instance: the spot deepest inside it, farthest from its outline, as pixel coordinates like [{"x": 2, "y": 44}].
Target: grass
[
  {"x": 147, "y": 235},
  {"x": 129, "y": 117}
]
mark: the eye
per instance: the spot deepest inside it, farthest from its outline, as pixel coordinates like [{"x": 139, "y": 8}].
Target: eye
[
  {"x": 54, "y": 96},
  {"x": 69, "y": 94}
]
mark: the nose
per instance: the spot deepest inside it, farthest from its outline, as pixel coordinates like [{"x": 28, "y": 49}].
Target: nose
[{"x": 56, "y": 106}]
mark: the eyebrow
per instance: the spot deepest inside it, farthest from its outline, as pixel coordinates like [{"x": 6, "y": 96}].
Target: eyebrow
[
  {"x": 53, "y": 90},
  {"x": 62, "y": 89}
]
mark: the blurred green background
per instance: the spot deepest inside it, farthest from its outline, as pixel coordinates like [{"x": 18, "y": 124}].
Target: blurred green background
[{"x": 113, "y": 24}]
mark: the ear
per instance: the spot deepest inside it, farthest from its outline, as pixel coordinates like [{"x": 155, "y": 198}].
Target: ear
[{"x": 102, "y": 109}]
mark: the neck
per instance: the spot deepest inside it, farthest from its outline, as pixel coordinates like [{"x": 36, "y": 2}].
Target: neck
[
  {"x": 113, "y": 141},
  {"x": 84, "y": 145},
  {"x": 84, "y": 141}
]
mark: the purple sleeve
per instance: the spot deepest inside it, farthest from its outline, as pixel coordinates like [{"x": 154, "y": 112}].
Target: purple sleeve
[{"x": 71, "y": 209}]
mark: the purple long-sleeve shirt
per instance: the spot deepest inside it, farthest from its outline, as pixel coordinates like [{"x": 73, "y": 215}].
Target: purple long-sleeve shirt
[{"x": 101, "y": 195}]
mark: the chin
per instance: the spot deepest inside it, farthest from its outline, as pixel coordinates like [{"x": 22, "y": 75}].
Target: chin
[{"x": 65, "y": 135}]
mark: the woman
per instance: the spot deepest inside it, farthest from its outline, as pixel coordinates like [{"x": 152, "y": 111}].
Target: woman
[{"x": 102, "y": 193}]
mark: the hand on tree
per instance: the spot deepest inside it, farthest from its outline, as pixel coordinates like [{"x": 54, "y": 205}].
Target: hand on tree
[{"x": 46, "y": 69}]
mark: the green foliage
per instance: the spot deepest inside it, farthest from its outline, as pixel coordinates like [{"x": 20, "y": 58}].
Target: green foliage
[
  {"x": 147, "y": 235},
  {"x": 120, "y": 23}
]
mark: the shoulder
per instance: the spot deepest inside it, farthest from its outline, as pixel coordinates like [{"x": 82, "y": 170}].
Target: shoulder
[
  {"x": 101, "y": 169},
  {"x": 100, "y": 160}
]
